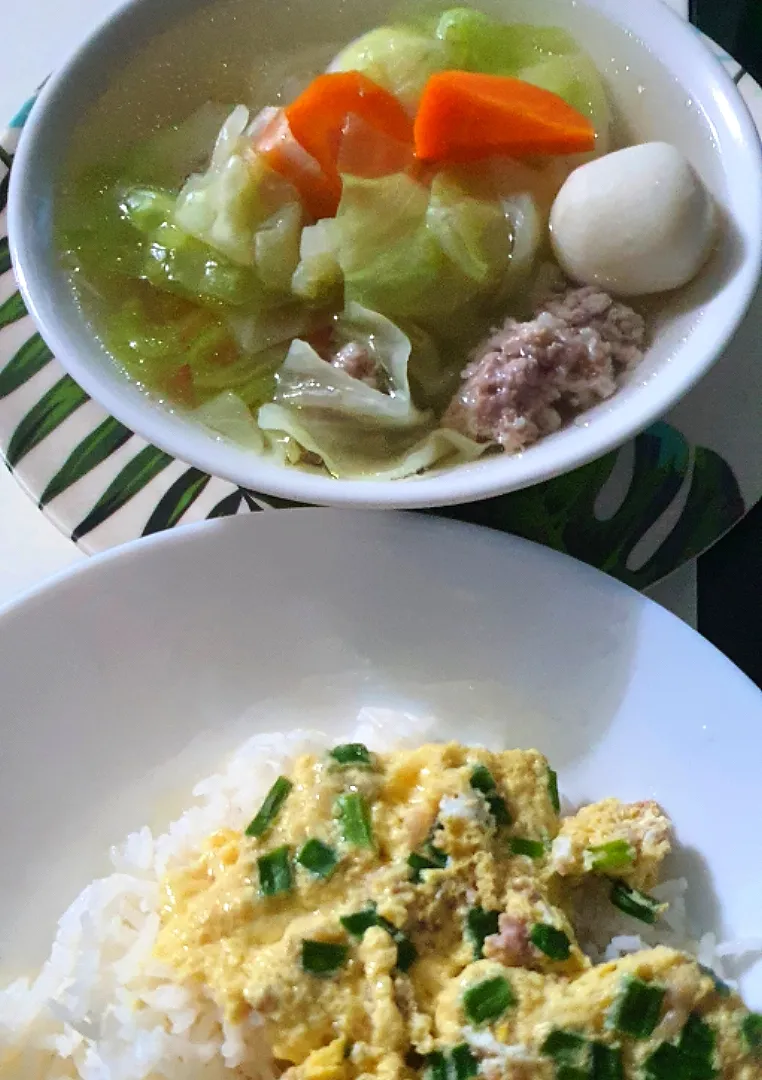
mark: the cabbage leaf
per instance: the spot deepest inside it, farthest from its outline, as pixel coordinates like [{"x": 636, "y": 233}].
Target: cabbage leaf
[
  {"x": 420, "y": 254},
  {"x": 356, "y": 429},
  {"x": 399, "y": 58}
]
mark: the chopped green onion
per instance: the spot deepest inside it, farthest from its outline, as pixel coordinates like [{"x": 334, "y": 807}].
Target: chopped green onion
[
  {"x": 463, "y": 1064},
  {"x": 665, "y": 1063},
  {"x": 275, "y": 873},
  {"x": 433, "y": 858},
  {"x": 498, "y": 807},
  {"x": 615, "y": 855},
  {"x": 690, "y": 1058},
  {"x": 487, "y": 1000},
  {"x": 697, "y": 1042},
  {"x": 436, "y": 1066},
  {"x": 455, "y": 1064},
  {"x": 555, "y": 801},
  {"x": 360, "y": 921},
  {"x": 323, "y": 957},
  {"x": 270, "y": 808},
  {"x": 407, "y": 953},
  {"x": 571, "y": 1072},
  {"x": 635, "y": 903},
  {"x": 565, "y": 1047},
  {"x": 533, "y": 849},
  {"x": 751, "y": 1029},
  {"x": 637, "y": 1008},
  {"x": 354, "y": 816},
  {"x": 550, "y": 940},
  {"x": 606, "y": 1063},
  {"x": 720, "y": 987},
  {"x": 480, "y": 924},
  {"x": 482, "y": 779},
  {"x": 352, "y": 755},
  {"x": 317, "y": 857}
]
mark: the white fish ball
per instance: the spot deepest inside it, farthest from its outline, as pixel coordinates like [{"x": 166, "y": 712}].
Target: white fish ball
[{"x": 636, "y": 221}]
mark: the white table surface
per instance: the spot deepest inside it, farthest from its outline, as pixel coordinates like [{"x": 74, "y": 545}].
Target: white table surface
[{"x": 35, "y": 39}]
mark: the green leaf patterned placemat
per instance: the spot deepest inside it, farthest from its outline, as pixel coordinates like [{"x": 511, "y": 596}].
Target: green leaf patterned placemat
[{"x": 639, "y": 512}]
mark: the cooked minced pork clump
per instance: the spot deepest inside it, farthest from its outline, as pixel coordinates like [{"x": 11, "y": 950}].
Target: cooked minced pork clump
[{"x": 529, "y": 378}]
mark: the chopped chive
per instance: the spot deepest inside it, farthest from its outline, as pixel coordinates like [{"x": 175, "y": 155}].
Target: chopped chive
[
  {"x": 432, "y": 858},
  {"x": 317, "y": 857},
  {"x": 275, "y": 873},
  {"x": 550, "y": 940},
  {"x": 323, "y": 957},
  {"x": 353, "y": 754},
  {"x": 482, "y": 779},
  {"x": 487, "y": 1000},
  {"x": 615, "y": 855},
  {"x": 751, "y": 1029},
  {"x": 354, "y": 816},
  {"x": 635, "y": 903},
  {"x": 606, "y": 1062},
  {"x": 665, "y": 1063},
  {"x": 463, "y": 1064},
  {"x": 555, "y": 801},
  {"x": 436, "y": 1066},
  {"x": 697, "y": 1042},
  {"x": 407, "y": 954},
  {"x": 357, "y": 923},
  {"x": 498, "y": 807},
  {"x": 637, "y": 1008},
  {"x": 533, "y": 849},
  {"x": 565, "y": 1047},
  {"x": 270, "y": 808},
  {"x": 720, "y": 987},
  {"x": 571, "y": 1072},
  {"x": 480, "y": 924}
]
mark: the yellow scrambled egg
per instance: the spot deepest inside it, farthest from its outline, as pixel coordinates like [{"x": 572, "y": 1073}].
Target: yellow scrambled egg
[{"x": 391, "y": 915}]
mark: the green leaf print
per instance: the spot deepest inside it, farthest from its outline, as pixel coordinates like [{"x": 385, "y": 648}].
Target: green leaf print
[
  {"x": 27, "y": 361},
  {"x": 179, "y": 497},
  {"x": 5, "y": 255},
  {"x": 91, "y": 451},
  {"x": 138, "y": 472},
  {"x": 51, "y": 410},
  {"x": 562, "y": 513},
  {"x": 11, "y": 310}
]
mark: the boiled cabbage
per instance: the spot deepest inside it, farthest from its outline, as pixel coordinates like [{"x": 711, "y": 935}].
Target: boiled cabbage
[
  {"x": 352, "y": 451},
  {"x": 477, "y": 43},
  {"x": 420, "y": 254},
  {"x": 307, "y": 381},
  {"x": 236, "y": 196},
  {"x": 399, "y": 58},
  {"x": 355, "y": 429},
  {"x": 228, "y": 415},
  {"x": 318, "y": 277}
]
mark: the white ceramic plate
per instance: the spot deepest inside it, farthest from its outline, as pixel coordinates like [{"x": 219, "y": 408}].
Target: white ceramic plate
[{"x": 124, "y": 681}]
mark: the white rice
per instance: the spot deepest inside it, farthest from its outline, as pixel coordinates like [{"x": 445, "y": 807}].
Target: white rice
[{"x": 103, "y": 1009}]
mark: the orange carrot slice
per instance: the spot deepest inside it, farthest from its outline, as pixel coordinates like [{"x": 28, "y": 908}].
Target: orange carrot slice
[
  {"x": 319, "y": 192},
  {"x": 465, "y": 116},
  {"x": 318, "y": 117}
]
